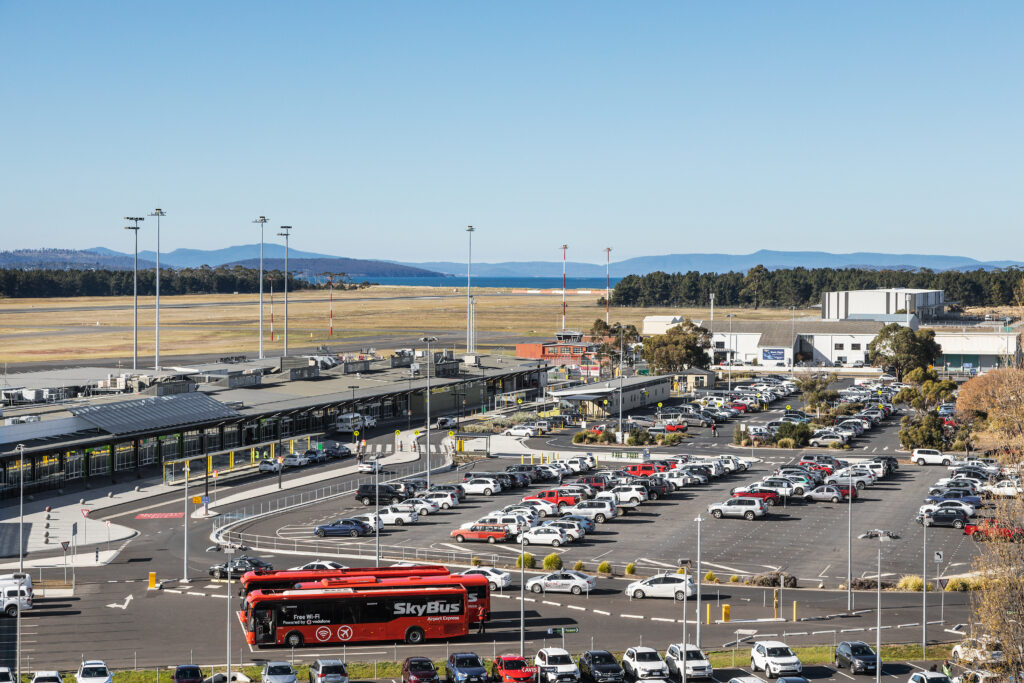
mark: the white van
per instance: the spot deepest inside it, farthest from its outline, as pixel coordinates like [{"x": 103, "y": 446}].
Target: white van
[
  {"x": 9, "y": 601},
  {"x": 26, "y": 579}
]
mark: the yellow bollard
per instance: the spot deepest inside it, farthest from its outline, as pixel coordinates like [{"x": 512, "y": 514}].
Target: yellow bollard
[
  {"x": 209, "y": 464},
  {"x": 531, "y": 458},
  {"x": 152, "y": 580},
  {"x": 725, "y": 613},
  {"x": 291, "y": 446},
  {"x": 272, "y": 448},
  {"x": 522, "y": 458},
  {"x": 309, "y": 440},
  {"x": 794, "y": 610},
  {"x": 709, "y": 614},
  {"x": 252, "y": 456},
  {"x": 231, "y": 460}
]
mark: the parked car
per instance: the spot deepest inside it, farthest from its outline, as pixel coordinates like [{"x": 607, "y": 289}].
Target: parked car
[
  {"x": 857, "y": 656},
  {"x": 295, "y": 460},
  {"x": 93, "y": 671},
  {"x": 663, "y": 586},
  {"x": 482, "y": 485},
  {"x": 419, "y": 670},
  {"x": 464, "y": 667},
  {"x": 543, "y": 535},
  {"x": 277, "y": 672},
  {"x": 187, "y": 673},
  {"x": 747, "y": 508},
  {"x": 496, "y": 578},
  {"x": 690, "y": 657},
  {"x": 600, "y": 666},
  {"x": 830, "y": 493},
  {"x": 555, "y": 665},
  {"x": 644, "y": 663},
  {"x": 270, "y": 465},
  {"x": 491, "y": 533},
  {"x": 343, "y": 527},
  {"x": 512, "y": 669},
  {"x": 329, "y": 671},
  {"x": 774, "y": 658},
  {"x": 943, "y": 517}
]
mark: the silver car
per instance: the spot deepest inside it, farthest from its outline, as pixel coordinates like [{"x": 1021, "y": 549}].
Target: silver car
[
  {"x": 328, "y": 671},
  {"x": 277, "y": 672},
  {"x": 566, "y": 581}
]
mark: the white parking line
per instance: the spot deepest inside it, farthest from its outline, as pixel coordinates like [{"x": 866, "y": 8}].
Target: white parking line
[
  {"x": 582, "y": 609},
  {"x": 548, "y": 602},
  {"x": 631, "y": 616},
  {"x": 601, "y": 611},
  {"x": 671, "y": 621}
]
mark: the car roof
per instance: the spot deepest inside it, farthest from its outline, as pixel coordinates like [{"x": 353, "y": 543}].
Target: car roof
[
  {"x": 771, "y": 643},
  {"x": 554, "y": 651},
  {"x": 275, "y": 663},
  {"x": 332, "y": 662},
  {"x": 93, "y": 662},
  {"x": 642, "y": 648}
]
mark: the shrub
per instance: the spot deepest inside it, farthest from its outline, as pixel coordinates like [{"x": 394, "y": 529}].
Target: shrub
[
  {"x": 785, "y": 443},
  {"x": 958, "y": 445},
  {"x": 579, "y": 566},
  {"x": 868, "y": 584},
  {"x": 671, "y": 439},
  {"x": 604, "y": 568},
  {"x": 734, "y": 579},
  {"x": 607, "y": 436},
  {"x": 771, "y": 580},
  {"x": 921, "y": 431},
  {"x": 527, "y": 560},
  {"x": 710, "y": 577},
  {"x": 958, "y": 584},
  {"x": 737, "y": 435},
  {"x": 475, "y": 561},
  {"x": 579, "y": 437},
  {"x": 553, "y": 562},
  {"x": 631, "y": 569},
  {"x": 911, "y": 582},
  {"x": 837, "y": 445},
  {"x": 799, "y": 433}
]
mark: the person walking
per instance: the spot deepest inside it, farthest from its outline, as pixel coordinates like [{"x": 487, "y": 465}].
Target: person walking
[{"x": 714, "y": 429}]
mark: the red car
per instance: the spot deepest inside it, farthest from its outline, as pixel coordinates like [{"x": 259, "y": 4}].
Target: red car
[
  {"x": 742, "y": 407},
  {"x": 512, "y": 669},
  {"x": 822, "y": 468},
  {"x": 846, "y": 490},
  {"x": 492, "y": 533},
  {"x": 948, "y": 422},
  {"x": 556, "y": 497},
  {"x": 769, "y": 497},
  {"x": 672, "y": 427},
  {"x": 986, "y": 529}
]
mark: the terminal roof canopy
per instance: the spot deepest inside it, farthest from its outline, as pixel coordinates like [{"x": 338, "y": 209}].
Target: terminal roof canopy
[{"x": 158, "y": 412}]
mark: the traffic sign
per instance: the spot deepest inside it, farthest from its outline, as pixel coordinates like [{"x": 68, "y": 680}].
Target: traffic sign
[
  {"x": 943, "y": 582},
  {"x": 938, "y": 556},
  {"x": 659, "y": 404},
  {"x": 416, "y": 432},
  {"x": 559, "y": 630},
  {"x": 217, "y": 472},
  {"x": 355, "y": 433},
  {"x": 65, "y": 544},
  {"x": 398, "y": 432},
  {"x": 85, "y": 512},
  {"x": 788, "y": 407},
  {"x": 107, "y": 522},
  {"x": 451, "y": 433},
  {"x": 74, "y": 529},
  {"x": 196, "y": 500},
  {"x": 205, "y": 500}
]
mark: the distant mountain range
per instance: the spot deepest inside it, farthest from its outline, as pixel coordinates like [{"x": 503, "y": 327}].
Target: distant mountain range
[{"x": 315, "y": 263}]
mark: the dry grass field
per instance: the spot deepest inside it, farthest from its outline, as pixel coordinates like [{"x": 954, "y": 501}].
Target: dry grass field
[{"x": 101, "y": 327}]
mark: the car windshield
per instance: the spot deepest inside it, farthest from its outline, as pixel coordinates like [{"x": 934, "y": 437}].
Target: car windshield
[
  {"x": 559, "y": 660},
  {"x": 780, "y": 652},
  {"x": 695, "y": 655},
  {"x": 513, "y": 664},
  {"x": 46, "y": 679},
  {"x": 861, "y": 650},
  {"x": 468, "y": 660},
  {"x": 647, "y": 657},
  {"x": 279, "y": 670},
  {"x": 189, "y": 672},
  {"x": 335, "y": 669},
  {"x": 94, "y": 672},
  {"x": 5, "y": 676},
  {"x": 602, "y": 658},
  {"x": 421, "y": 666}
]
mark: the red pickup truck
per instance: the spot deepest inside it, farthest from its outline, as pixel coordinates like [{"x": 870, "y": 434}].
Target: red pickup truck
[
  {"x": 492, "y": 533},
  {"x": 556, "y": 497},
  {"x": 985, "y": 529}
]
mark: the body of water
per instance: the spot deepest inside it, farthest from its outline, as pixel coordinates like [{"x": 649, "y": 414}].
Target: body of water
[{"x": 594, "y": 283}]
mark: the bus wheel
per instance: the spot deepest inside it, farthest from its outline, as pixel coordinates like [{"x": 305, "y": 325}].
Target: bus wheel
[
  {"x": 414, "y": 636},
  {"x": 293, "y": 639}
]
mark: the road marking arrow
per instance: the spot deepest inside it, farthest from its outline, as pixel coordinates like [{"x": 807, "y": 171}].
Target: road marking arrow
[{"x": 124, "y": 606}]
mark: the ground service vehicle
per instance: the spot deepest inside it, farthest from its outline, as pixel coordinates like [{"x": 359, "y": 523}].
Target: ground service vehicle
[{"x": 413, "y": 615}]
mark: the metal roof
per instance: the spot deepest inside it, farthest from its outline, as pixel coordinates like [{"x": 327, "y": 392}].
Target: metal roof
[
  {"x": 44, "y": 432},
  {"x": 129, "y": 417}
]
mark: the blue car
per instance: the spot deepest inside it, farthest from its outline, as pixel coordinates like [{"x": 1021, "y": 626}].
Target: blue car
[
  {"x": 344, "y": 527},
  {"x": 465, "y": 667},
  {"x": 954, "y": 494}
]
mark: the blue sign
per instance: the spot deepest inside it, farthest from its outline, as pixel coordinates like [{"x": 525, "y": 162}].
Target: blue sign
[
  {"x": 206, "y": 500},
  {"x": 773, "y": 354}
]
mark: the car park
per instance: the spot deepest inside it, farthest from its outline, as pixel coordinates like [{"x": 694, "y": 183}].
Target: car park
[
  {"x": 676, "y": 586},
  {"x": 543, "y": 535},
  {"x": 600, "y": 666},
  {"x": 565, "y": 581},
  {"x": 644, "y": 663},
  {"x": 464, "y": 667},
  {"x": 277, "y": 672},
  {"x": 419, "y": 670},
  {"x": 332, "y": 671},
  {"x": 496, "y": 578},
  {"x": 679, "y": 657},
  {"x": 774, "y": 658},
  {"x": 512, "y": 669},
  {"x": 747, "y": 508},
  {"x": 555, "y": 665}
]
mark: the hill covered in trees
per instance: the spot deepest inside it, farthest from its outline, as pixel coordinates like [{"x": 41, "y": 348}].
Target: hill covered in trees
[{"x": 803, "y": 286}]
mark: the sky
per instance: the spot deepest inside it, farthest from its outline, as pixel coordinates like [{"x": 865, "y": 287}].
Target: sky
[{"x": 382, "y": 129}]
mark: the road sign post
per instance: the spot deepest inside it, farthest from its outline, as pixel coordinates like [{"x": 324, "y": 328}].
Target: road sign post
[
  {"x": 107, "y": 523},
  {"x": 85, "y": 527},
  {"x": 64, "y": 545}
]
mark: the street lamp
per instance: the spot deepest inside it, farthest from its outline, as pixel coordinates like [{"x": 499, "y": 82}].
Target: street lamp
[
  {"x": 232, "y": 547},
  {"x": 184, "y": 570},
  {"x": 564, "y": 247},
  {"x": 135, "y": 288},
  {"x": 607, "y": 283},
  {"x": 156, "y": 359},
  {"x": 469, "y": 305},
  {"x": 430, "y": 365},
  {"x": 699, "y": 519},
  {"x": 621, "y": 440},
  {"x": 262, "y": 221},
  {"x": 286, "y": 233},
  {"x": 522, "y": 593},
  {"x": 850, "y": 489},
  {"x": 21, "y": 544},
  {"x": 882, "y": 535},
  {"x": 732, "y": 352}
]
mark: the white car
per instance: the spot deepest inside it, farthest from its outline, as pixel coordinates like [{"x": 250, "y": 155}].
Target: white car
[
  {"x": 565, "y": 581},
  {"x": 930, "y": 456},
  {"x": 929, "y": 677},
  {"x": 967, "y": 508},
  {"x": 421, "y": 506},
  {"x": 543, "y": 535},
  {"x": 445, "y": 499},
  {"x": 527, "y": 511},
  {"x": 663, "y": 586},
  {"x": 555, "y": 665},
  {"x": 47, "y": 677},
  {"x": 696, "y": 662},
  {"x": 370, "y": 466},
  {"x": 520, "y": 430},
  {"x": 644, "y": 663},
  {"x": 542, "y": 507},
  {"x": 630, "y": 493},
  {"x": 370, "y": 519},
  {"x": 295, "y": 460},
  {"x": 598, "y": 510},
  {"x": 578, "y": 464},
  {"x": 572, "y": 530},
  {"x": 394, "y": 515},
  {"x": 845, "y": 477},
  {"x": 774, "y": 658},
  {"x": 318, "y": 565},
  {"x": 94, "y": 671},
  {"x": 497, "y": 578},
  {"x": 1006, "y": 488},
  {"x": 482, "y": 485},
  {"x": 270, "y": 465}
]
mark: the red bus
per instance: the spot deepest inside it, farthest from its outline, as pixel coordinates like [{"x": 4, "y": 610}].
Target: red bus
[
  {"x": 347, "y": 615},
  {"x": 282, "y": 579},
  {"x": 477, "y": 587}
]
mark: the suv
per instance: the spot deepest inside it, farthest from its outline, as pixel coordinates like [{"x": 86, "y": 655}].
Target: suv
[
  {"x": 775, "y": 658},
  {"x": 465, "y": 667},
  {"x": 930, "y": 456},
  {"x": 328, "y": 671},
  {"x": 857, "y": 656},
  {"x": 557, "y": 497},
  {"x": 747, "y": 508},
  {"x": 597, "y": 481},
  {"x": 381, "y": 493},
  {"x": 598, "y": 510},
  {"x": 695, "y": 662},
  {"x": 555, "y": 665},
  {"x": 818, "y": 459},
  {"x": 599, "y": 666},
  {"x": 644, "y": 662},
  {"x": 187, "y": 673},
  {"x": 93, "y": 671},
  {"x": 492, "y": 533}
]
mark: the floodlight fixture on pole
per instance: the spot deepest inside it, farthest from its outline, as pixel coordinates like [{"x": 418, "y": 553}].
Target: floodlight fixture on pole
[
  {"x": 262, "y": 221},
  {"x": 732, "y": 351},
  {"x": 470, "y": 342},
  {"x": 881, "y": 535},
  {"x": 430, "y": 365},
  {"x": 21, "y": 549},
  {"x": 699, "y": 519},
  {"x": 286, "y": 233},
  {"x": 607, "y": 284},
  {"x": 156, "y": 353},
  {"x": 135, "y": 290},
  {"x": 564, "y": 249}
]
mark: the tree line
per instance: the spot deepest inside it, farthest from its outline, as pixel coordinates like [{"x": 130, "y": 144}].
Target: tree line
[
  {"x": 804, "y": 286},
  {"x": 17, "y": 283}
]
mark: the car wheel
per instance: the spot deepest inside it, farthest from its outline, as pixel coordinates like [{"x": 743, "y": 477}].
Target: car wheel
[
  {"x": 445, "y": 506},
  {"x": 634, "y": 501},
  {"x": 638, "y": 594},
  {"x": 946, "y": 462},
  {"x": 493, "y": 586},
  {"x": 680, "y": 595},
  {"x": 599, "y": 518},
  {"x": 920, "y": 461},
  {"x": 526, "y": 541},
  {"x": 487, "y": 492},
  {"x": 319, "y": 532},
  {"x": 12, "y": 611},
  {"x": 753, "y": 666},
  {"x": 555, "y": 543},
  {"x": 414, "y": 636},
  {"x": 977, "y": 536},
  {"x": 748, "y": 515},
  {"x": 491, "y": 539},
  {"x": 835, "y": 499},
  {"x": 717, "y": 514},
  {"x": 860, "y": 485},
  {"x": 460, "y": 538},
  {"x": 536, "y": 588},
  {"x": 366, "y": 500},
  {"x": 769, "y": 501},
  {"x": 576, "y": 590},
  {"x": 353, "y": 533},
  {"x": 958, "y": 524},
  {"x": 293, "y": 639},
  {"x": 799, "y": 490}
]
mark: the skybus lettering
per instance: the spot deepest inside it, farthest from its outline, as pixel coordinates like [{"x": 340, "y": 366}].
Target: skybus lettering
[{"x": 434, "y": 607}]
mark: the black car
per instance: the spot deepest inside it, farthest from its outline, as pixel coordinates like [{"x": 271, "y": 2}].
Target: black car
[
  {"x": 599, "y": 665},
  {"x": 656, "y": 486},
  {"x": 528, "y": 470},
  {"x": 944, "y": 517},
  {"x": 238, "y": 566},
  {"x": 856, "y": 656},
  {"x": 315, "y": 455},
  {"x": 338, "y": 451},
  {"x": 385, "y": 493}
]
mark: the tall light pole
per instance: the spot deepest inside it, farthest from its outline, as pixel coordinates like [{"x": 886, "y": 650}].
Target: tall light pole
[
  {"x": 622, "y": 440},
  {"x": 430, "y": 366},
  {"x": 924, "y": 586},
  {"x": 712, "y": 330},
  {"x": 792, "y": 351},
  {"x": 607, "y": 283},
  {"x": 849, "y": 543},
  {"x": 732, "y": 353},
  {"x": 881, "y": 535},
  {"x": 522, "y": 594},
  {"x": 262, "y": 221},
  {"x": 469, "y": 304},
  {"x": 286, "y": 233},
  {"x": 564, "y": 247},
  {"x": 376, "y": 511},
  {"x": 699, "y": 519},
  {"x": 184, "y": 570},
  {"x": 156, "y": 355},
  {"x": 21, "y": 544},
  {"x": 135, "y": 320}
]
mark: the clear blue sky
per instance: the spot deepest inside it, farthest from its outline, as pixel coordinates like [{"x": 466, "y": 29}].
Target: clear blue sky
[{"x": 379, "y": 129}]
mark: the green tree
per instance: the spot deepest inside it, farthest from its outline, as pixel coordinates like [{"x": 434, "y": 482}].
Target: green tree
[
  {"x": 799, "y": 433},
  {"x": 755, "y": 284},
  {"x": 921, "y": 431},
  {"x": 683, "y": 346},
  {"x": 899, "y": 349}
]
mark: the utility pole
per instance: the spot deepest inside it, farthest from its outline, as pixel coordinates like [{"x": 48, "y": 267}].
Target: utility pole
[
  {"x": 286, "y": 233},
  {"x": 699, "y": 520},
  {"x": 430, "y": 367},
  {"x": 156, "y": 358},
  {"x": 564, "y": 247},
  {"x": 261, "y": 221},
  {"x": 621, "y": 439},
  {"x": 607, "y": 284},
  {"x": 470, "y": 342},
  {"x": 135, "y": 286}
]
